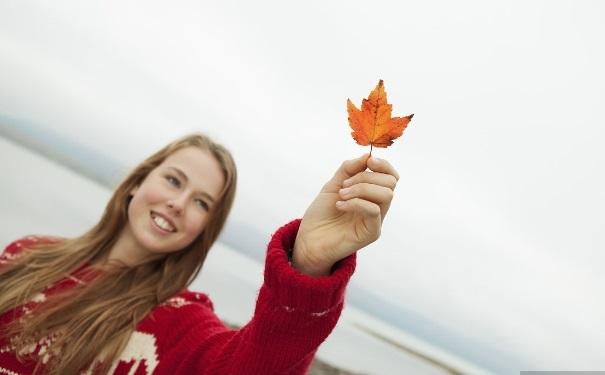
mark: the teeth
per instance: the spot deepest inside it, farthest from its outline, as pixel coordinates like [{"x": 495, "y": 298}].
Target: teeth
[{"x": 163, "y": 223}]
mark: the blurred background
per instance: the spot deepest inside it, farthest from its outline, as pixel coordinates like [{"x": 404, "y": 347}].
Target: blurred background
[{"x": 492, "y": 256}]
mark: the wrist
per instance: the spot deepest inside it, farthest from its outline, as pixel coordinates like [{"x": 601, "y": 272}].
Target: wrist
[{"x": 306, "y": 264}]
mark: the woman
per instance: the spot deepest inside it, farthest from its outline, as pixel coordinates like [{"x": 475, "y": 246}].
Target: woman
[{"x": 115, "y": 300}]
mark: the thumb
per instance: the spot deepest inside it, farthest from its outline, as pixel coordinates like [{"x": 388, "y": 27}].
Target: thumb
[{"x": 350, "y": 168}]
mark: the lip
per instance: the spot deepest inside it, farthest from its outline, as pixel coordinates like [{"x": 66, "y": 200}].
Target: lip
[{"x": 154, "y": 213}]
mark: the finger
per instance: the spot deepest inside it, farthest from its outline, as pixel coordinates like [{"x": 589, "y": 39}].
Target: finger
[
  {"x": 371, "y": 192},
  {"x": 381, "y": 165},
  {"x": 375, "y": 178},
  {"x": 351, "y": 167},
  {"x": 370, "y": 212},
  {"x": 347, "y": 169},
  {"x": 368, "y": 228}
]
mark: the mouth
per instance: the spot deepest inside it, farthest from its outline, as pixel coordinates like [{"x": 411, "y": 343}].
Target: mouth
[{"x": 163, "y": 223}]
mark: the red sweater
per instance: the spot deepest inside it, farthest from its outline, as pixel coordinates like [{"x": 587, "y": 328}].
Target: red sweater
[{"x": 294, "y": 314}]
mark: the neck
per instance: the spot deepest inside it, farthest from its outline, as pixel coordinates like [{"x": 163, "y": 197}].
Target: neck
[{"x": 125, "y": 251}]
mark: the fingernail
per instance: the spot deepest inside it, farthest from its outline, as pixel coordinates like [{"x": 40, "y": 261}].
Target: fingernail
[
  {"x": 347, "y": 182},
  {"x": 345, "y": 191},
  {"x": 374, "y": 161}
]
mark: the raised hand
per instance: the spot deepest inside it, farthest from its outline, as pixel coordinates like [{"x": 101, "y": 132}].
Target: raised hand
[{"x": 346, "y": 215}]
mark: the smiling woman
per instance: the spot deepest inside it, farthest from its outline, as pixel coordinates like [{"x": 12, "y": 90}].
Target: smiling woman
[
  {"x": 125, "y": 306},
  {"x": 171, "y": 207},
  {"x": 121, "y": 294}
]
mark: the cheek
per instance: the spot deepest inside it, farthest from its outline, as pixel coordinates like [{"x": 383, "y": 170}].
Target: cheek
[
  {"x": 146, "y": 196},
  {"x": 196, "y": 223},
  {"x": 134, "y": 206}
]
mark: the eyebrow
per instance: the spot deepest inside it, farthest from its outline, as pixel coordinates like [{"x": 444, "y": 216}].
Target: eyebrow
[{"x": 184, "y": 177}]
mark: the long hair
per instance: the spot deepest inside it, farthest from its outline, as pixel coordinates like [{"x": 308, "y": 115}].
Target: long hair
[{"x": 92, "y": 322}]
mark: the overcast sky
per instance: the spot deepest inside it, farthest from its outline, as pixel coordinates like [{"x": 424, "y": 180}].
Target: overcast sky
[{"x": 496, "y": 231}]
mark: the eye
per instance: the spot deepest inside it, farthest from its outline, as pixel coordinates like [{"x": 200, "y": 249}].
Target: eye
[
  {"x": 202, "y": 204},
  {"x": 173, "y": 181}
]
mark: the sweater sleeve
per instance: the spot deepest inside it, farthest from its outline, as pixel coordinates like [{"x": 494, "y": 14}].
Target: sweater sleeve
[{"x": 294, "y": 314}]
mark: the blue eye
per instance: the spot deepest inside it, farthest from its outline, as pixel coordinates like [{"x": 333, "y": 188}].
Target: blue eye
[
  {"x": 202, "y": 204},
  {"x": 173, "y": 181}
]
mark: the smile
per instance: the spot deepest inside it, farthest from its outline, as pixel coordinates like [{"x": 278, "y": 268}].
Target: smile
[{"x": 162, "y": 223}]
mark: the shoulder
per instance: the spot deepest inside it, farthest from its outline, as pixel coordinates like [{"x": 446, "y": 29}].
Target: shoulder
[
  {"x": 187, "y": 298},
  {"x": 13, "y": 249},
  {"x": 30, "y": 242},
  {"x": 180, "y": 315}
]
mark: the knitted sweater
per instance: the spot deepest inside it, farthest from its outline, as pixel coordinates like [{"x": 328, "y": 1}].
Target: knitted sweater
[{"x": 294, "y": 314}]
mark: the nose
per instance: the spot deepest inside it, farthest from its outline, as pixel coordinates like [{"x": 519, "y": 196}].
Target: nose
[{"x": 176, "y": 204}]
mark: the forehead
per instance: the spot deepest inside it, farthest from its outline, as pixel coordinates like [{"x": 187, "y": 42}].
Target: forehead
[{"x": 203, "y": 171}]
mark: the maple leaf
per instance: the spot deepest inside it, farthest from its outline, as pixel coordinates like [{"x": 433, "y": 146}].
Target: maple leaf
[{"x": 373, "y": 124}]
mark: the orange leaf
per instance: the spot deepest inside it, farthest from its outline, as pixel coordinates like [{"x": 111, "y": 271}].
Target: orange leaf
[{"x": 373, "y": 124}]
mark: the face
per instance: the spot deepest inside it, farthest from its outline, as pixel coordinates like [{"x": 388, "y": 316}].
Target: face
[{"x": 170, "y": 209}]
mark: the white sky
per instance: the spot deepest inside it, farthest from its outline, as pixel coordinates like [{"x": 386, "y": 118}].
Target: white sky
[{"x": 496, "y": 231}]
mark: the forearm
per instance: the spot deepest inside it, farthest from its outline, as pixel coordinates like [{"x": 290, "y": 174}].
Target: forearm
[{"x": 294, "y": 313}]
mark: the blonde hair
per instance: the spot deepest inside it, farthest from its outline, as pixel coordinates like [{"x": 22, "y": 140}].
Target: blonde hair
[{"x": 94, "y": 320}]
